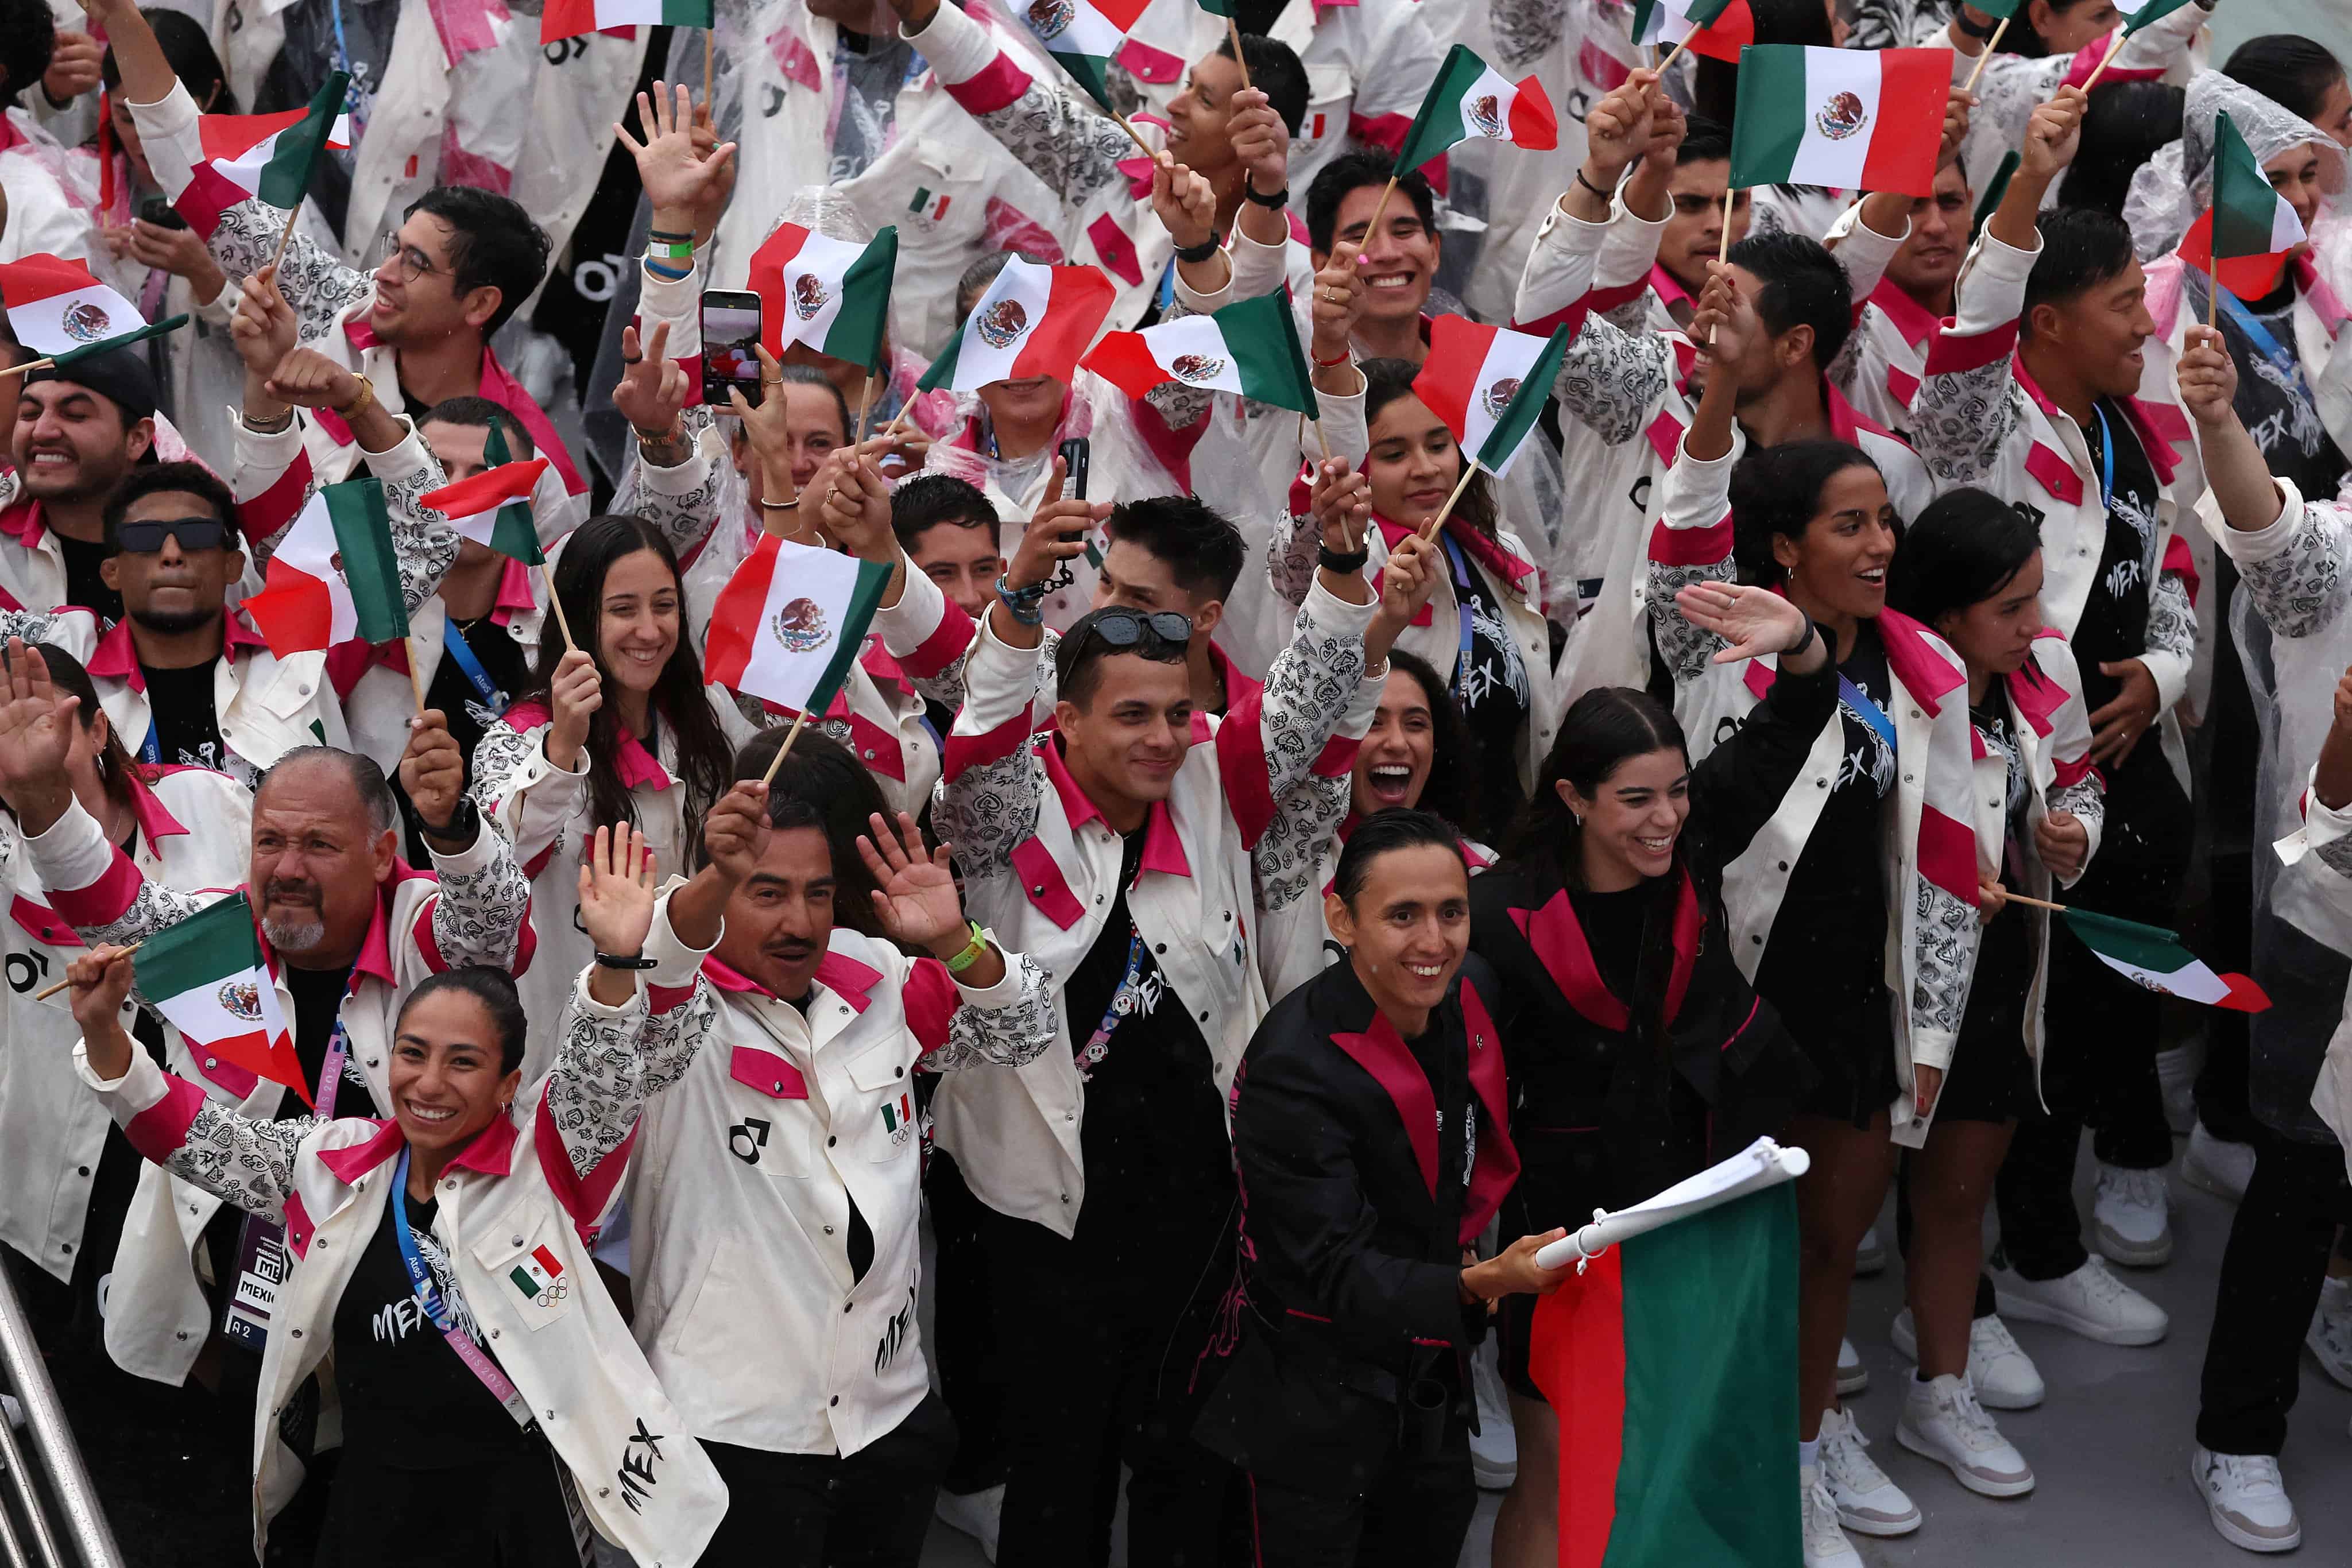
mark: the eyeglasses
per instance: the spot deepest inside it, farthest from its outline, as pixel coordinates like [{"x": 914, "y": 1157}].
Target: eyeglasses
[
  {"x": 408, "y": 263},
  {"x": 1122, "y": 627},
  {"x": 146, "y": 537}
]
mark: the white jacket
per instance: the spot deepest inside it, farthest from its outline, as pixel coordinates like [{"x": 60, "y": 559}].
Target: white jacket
[
  {"x": 264, "y": 706},
  {"x": 533, "y": 1183},
  {"x": 193, "y": 832},
  {"x": 472, "y": 908},
  {"x": 1039, "y": 864}
]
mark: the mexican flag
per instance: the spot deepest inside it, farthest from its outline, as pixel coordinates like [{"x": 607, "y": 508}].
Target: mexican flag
[
  {"x": 2138, "y": 14},
  {"x": 205, "y": 975},
  {"x": 1488, "y": 384},
  {"x": 55, "y": 307},
  {"x": 264, "y": 156},
  {"x": 1034, "y": 321},
  {"x": 1467, "y": 100},
  {"x": 493, "y": 508},
  {"x": 2152, "y": 956},
  {"x": 788, "y": 625},
  {"x": 1673, "y": 1358},
  {"x": 2244, "y": 236},
  {"x": 1084, "y": 36},
  {"x": 1720, "y": 29},
  {"x": 1251, "y": 348},
  {"x": 1856, "y": 120},
  {"x": 828, "y": 293},
  {"x": 569, "y": 19},
  {"x": 536, "y": 1275},
  {"x": 335, "y": 576}
]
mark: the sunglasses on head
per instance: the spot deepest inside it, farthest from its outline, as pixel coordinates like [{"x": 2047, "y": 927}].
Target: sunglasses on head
[
  {"x": 147, "y": 536},
  {"x": 1120, "y": 627}
]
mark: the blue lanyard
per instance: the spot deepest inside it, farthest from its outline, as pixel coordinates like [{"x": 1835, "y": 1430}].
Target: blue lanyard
[
  {"x": 2265, "y": 344},
  {"x": 1462, "y": 613},
  {"x": 1168, "y": 288},
  {"x": 1866, "y": 709},
  {"x": 2106, "y": 461},
  {"x": 454, "y": 641},
  {"x": 1123, "y": 1001},
  {"x": 343, "y": 63},
  {"x": 151, "y": 750},
  {"x": 428, "y": 1296}
]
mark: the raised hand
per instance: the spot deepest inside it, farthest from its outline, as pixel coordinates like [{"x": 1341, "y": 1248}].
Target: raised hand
[
  {"x": 676, "y": 174},
  {"x": 736, "y": 832},
  {"x": 308, "y": 379},
  {"x": 433, "y": 771},
  {"x": 1342, "y": 499},
  {"x": 2208, "y": 378},
  {"x": 180, "y": 252},
  {"x": 1056, "y": 533},
  {"x": 1339, "y": 300},
  {"x": 764, "y": 427},
  {"x": 1260, "y": 140},
  {"x": 1956, "y": 127},
  {"x": 36, "y": 727},
  {"x": 1186, "y": 202},
  {"x": 720, "y": 187},
  {"x": 915, "y": 896},
  {"x": 651, "y": 393},
  {"x": 1618, "y": 129},
  {"x": 99, "y": 981},
  {"x": 73, "y": 66},
  {"x": 1725, "y": 319},
  {"x": 1407, "y": 579},
  {"x": 575, "y": 693},
  {"x": 264, "y": 331},
  {"x": 1754, "y": 621},
  {"x": 616, "y": 892},
  {"x": 855, "y": 505},
  {"x": 2053, "y": 135}
]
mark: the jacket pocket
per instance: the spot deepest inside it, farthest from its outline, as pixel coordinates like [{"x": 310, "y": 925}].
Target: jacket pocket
[
  {"x": 770, "y": 1131},
  {"x": 523, "y": 1262},
  {"x": 881, "y": 1072}
]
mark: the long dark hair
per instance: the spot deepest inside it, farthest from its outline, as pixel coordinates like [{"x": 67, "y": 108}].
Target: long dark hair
[
  {"x": 2123, "y": 126},
  {"x": 1965, "y": 549},
  {"x": 116, "y": 769},
  {"x": 1714, "y": 84},
  {"x": 1776, "y": 492},
  {"x": 1453, "y": 749},
  {"x": 1385, "y": 380},
  {"x": 1603, "y": 728},
  {"x": 822, "y": 785},
  {"x": 677, "y": 698}
]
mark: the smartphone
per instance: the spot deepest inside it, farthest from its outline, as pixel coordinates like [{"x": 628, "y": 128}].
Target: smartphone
[
  {"x": 731, "y": 345},
  {"x": 157, "y": 211},
  {"x": 1073, "y": 453}
]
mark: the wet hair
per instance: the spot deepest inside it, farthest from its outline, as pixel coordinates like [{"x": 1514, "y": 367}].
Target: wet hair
[
  {"x": 1776, "y": 493},
  {"x": 29, "y": 37},
  {"x": 2124, "y": 125},
  {"x": 1452, "y": 748},
  {"x": 822, "y": 785},
  {"x": 179, "y": 478},
  {"x": 1965, "y": 549},
  {"x": 2082, "y": 248},
  {"x": 1078, "y": 658},
  {"x": 678, "y": 700},
  {"x": 1276, "y": 70},
  {"x": 809, "y": 376},
  {"x": 193, "y": 59},
  {"x": 1199, "y": 544},
  {"x": 359, "y": 770},
  {"x": 115, "y": 767},
  {"x": 1351, "y": 172},
  {"x": 1804, "y": 287},
  {"x": 1385, "y": 380},
  {"x": 1398, "y": 828},
  {"x": 925, "y": 501},
  {"x": 495, "y": 990},
  {"x": 478, "y": 414},
  {"x": 493, "y": 243},
  {"x": 2292, "y": 72},
  {"x": 1704, "y": 141},
  {"x": 1714, "y": 84}
]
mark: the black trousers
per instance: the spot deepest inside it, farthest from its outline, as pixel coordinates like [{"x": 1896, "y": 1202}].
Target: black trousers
[
  {"x": 2270, "y": 1273},
  {"x": 1415, "y": 1515},
  {"x": 2227, "y": 749},
  {"x": 1109, "y": 1368},
  {"x": 870, "y": 1510},
  {"x": 973, "y": 1376}
]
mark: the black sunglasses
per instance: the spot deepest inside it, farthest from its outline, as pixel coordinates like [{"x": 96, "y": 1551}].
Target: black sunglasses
[
  {"x": 1121, "y": 628},
  {"x": 146, "y": 537}
]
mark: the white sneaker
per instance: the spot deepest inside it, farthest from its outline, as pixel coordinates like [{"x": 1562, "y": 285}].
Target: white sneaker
[
  {"x": 1853, "y": 1377},
  {"x": 1495, "y": 1445},
  {"x": 976, "y": 1513},
  {"x": 2217, "y": 1165},
  {"x": 2330, "y": 1334},
  {"x": 2128, "y": 1220},
  {"x": 1870, "y": 1257},
  {"x": 1942, "y": 1421},
  {"x": 2090, "y": 1301},
  {"x": 1867, "y": 1502},
  {"x": 1825, "y": 1545},
  {"x": 2246, "y": 1499},
  {"x": 2004, "y": 1376}
]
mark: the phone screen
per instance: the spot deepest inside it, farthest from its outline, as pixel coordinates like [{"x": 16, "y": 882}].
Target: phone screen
[{"x": 731, "y": 345}]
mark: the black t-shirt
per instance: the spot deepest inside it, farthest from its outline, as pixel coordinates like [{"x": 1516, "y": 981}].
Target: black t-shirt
[
  {"x": 84, "y": 586},
  {"x": 409, "y": 1402},
  {"x": 318, "y": 1003},
  {"x": 470, "y": 713},
  {"x": 2114, "y": 624},
  {"x": 1996, "y": 728},
  {"x": 1493, "y": 686},
  {"x": 187, "y": 728},
  {"x": 1158, "y": 1164}
]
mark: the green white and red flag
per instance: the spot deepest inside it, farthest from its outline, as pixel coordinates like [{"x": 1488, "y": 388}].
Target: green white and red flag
[
  {"x": 1250, "y": 349},
  {"x": 1470, "y": 99},
  {"x": 335, "y": 576},
  {"x": 2244, "y": 236},
  {"x": 268, "y": 157},
  {"x": 2152, "y": 956},
  {"x": 493, "y": 508},
  {"x": 569, "y": 19},
  {"x": 1855, "y": 120},
  {"x": 830, "y": 294},
  {"x": 1488, "y": 384},
  {"x": 55, "y": 305},
  {"x": 2138, "y": 14},
  {"x": 787, "y": 627},
  {"x": 1084, "y": 36},
  {"x": 205, "y": 975},
  {"x": 1719, "y": 28},
  {"x": 1034, "y": 321}
]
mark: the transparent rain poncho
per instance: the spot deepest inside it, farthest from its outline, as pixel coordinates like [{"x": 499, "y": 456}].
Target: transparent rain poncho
[{"x": 2177, "y": 185}]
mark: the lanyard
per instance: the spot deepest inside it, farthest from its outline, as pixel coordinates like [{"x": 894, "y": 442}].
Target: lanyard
[
  {"x": 1462, "y": 613},
  {"x": 330, "y": 1070},
  {"x": 1866, "y": 709},
  {"x": 1123, "y": 1001},
  {"x": 428, "y": 1296},
  {"x": 343, "y": 63},
  {"x": 151, "y": 750},
  {"x": 2265, "y": 344},
  {"x": 2106, "y": 461},
  {"x": 454, "y": 641}
]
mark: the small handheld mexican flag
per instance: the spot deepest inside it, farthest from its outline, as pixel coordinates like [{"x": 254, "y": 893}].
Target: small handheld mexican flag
[
  {"x": 1034, "y": 321},
  {"x": 2152, "y": 956},
  {"x": 58, "y": 310},
  {"x": 207, "y": 975},
  {"x": 2244, "y": 236},
  {"x": 1250, "y": 347},
  {"x": 335, "y": 576},
  {"x": 569, "y": 19},
  {"x": 1468, "y": 99},
  {"x": 264, "y": 156},
  {"x": 493, "y": 508},
  {"x": 1084, "y": 36},
  {"x": 1865, "y": 120},
  {"x": 1720, "y": 29},
  {"x": 1676, "y": 1351},
  {"x": 2138, "y": 14},
  {"x": 788, "y": 625},
  {"x": 1488, "y": 384},
  {"x": 828, "y": 293}
]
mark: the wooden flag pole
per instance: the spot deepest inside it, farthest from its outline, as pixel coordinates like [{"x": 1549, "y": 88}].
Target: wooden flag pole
[
  {"x": 892, "y": 428},
  {"x": 865, "y": 409},
  {"x": 1378, "y": 208},
  {"x": 546, "y": 581},
  {"x": 1990, "y": 45},
  {"x": 707, "y": 33},
  {"x": 1233, "y": 32},
  {"x": 2036, "y": 903},
  {"x": 1723, "y": 251},
  {"x": 2113, "y": 50},
  {"x": 285, "y": 235},
  {"x": 2213, "y": 300},
  {"x": 1429, "y": 530},
  {"x": 408, "y": 648},
  {"x": 1677, "y": 49},
  {"x": 46, "y": 992},
  {"x": 784, "y": 750},
  {"x": 1135, "y": 136},
  {"x": 28, "y": 365}
]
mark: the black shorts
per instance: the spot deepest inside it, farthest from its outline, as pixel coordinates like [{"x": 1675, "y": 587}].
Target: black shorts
[{"x": 1992, "y": 1075}]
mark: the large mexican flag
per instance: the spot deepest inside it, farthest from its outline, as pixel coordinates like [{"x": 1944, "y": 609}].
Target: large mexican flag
[
  {"x": 788, "y": 626},
  {"x": 830, "y": 294},
  {"x": 1858, "y": 120}
]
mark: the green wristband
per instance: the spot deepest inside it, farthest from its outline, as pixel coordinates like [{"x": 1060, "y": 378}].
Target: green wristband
[{"x": 972, "y": 951}]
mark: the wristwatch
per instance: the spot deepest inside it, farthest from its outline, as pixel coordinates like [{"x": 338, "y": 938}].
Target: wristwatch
[
  {"x": 1277, "y": 201},
  {"x": 464, "y": 823},
  {"x": 365, "y": 396}
]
